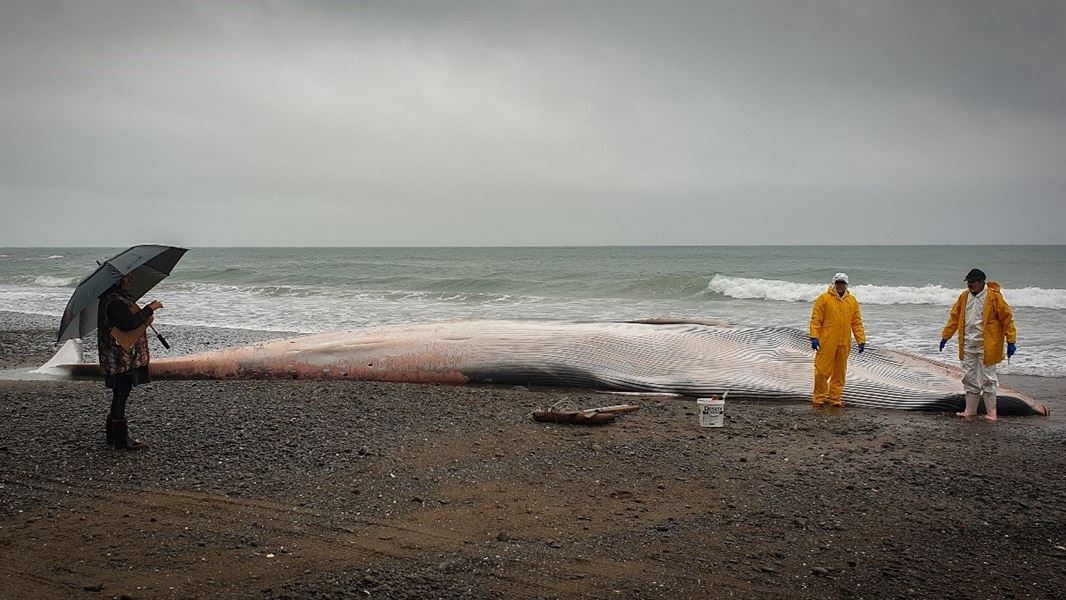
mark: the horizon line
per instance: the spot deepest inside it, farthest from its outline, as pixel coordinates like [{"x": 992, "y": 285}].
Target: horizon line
[{"x": 805, "y": 245}]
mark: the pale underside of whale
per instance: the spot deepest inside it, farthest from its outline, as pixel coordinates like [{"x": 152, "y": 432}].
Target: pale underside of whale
[{"x": 686, "y": 358}]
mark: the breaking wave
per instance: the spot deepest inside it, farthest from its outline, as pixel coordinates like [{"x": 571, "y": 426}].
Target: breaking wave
[
  {"x": 788, "y": 291},
  {"x": 52, "y": 281}
]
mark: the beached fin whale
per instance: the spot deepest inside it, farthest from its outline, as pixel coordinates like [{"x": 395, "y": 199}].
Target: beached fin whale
[{"x": 653, "y": 356}]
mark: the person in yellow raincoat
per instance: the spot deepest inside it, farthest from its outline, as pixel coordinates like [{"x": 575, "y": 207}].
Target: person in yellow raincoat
[
  {"x": 984, "y": 322},
  {"x": 834, "y": 318}
]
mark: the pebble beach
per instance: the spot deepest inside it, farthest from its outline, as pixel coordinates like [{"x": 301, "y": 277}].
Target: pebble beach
[{"x": 305, "y": 489}]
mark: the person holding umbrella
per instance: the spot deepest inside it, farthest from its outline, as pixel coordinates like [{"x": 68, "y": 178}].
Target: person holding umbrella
[
  {"x": 122, "y": 341},
  {"x": 106, "y": 301}
]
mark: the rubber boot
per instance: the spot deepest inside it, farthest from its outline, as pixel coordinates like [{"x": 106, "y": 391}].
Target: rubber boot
[
  {"x": 123, "y": 441},
  {"x": 110, "y": 430},
  {"x": 990, "y": 405},
  {"x": 972, "y": 401}
]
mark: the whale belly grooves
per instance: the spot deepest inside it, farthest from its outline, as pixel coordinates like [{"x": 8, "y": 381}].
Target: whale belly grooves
[{"x": 652, "y": 356}]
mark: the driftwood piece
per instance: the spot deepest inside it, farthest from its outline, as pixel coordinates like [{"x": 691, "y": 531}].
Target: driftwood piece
[
  {"x": 576, "y": 418},
  {"x": 590, "y": 416},
  {"x": 615, "y": 408}
]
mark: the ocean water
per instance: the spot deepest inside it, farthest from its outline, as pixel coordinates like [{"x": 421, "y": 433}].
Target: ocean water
[{"x": 905, "y": 291}]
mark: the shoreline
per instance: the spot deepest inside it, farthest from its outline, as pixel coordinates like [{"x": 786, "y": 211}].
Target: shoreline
[
  {"x": 200, "y": 338},
  {"x": 29, "y": 348}
]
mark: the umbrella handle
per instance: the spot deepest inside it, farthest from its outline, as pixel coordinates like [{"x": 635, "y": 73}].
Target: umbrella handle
[{"x": 162, "y": 340}]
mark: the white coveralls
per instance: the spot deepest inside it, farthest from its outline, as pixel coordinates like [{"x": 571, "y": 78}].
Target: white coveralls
[{"x": 977, "y": 378}]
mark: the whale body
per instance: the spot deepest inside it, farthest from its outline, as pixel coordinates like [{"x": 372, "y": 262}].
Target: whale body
[{"x": 670, "y": 357}]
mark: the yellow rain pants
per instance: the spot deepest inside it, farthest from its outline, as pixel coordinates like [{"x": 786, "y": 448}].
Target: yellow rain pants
[{"x": 833, "y": 321}]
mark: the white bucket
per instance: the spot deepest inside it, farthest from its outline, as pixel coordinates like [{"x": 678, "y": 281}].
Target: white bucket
[{"x": 711, "y": 411}]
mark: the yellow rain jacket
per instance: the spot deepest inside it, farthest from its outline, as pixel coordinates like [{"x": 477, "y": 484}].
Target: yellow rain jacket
[
  {"x": 834, "y": 319},
  {"x": 998, "y": 324}
]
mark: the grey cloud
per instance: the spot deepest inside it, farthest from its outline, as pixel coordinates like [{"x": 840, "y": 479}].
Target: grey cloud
[{"x": 531, "y": 123}]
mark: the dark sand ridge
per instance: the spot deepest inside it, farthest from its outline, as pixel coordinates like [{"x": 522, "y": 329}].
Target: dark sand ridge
[{"x": 350, "y": 489}]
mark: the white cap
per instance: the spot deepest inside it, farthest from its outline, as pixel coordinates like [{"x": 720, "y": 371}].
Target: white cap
[{"x": 840, "y": 277}]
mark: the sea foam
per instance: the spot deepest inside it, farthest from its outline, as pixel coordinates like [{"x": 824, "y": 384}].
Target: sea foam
[
  {"x": 51, "y": 281},
  {"x": 788, "y": 291}
]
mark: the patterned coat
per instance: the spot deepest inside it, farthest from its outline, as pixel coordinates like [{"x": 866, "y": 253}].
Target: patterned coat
[{"x": 113, "y": 359}]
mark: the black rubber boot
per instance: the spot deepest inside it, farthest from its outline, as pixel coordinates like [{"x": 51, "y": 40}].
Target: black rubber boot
[
  {"x": 123, "y": 441},
  {"x": 110, "y": 430}
]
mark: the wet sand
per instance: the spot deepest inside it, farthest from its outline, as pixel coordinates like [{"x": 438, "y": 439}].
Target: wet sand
[{"x": 304, "y": 489}]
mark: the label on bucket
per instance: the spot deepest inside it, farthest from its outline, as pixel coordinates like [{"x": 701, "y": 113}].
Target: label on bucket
[{"x": 711, "y": 411}]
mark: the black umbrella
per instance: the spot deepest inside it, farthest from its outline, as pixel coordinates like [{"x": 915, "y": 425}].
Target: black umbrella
[{"x": 149, "y": 265}]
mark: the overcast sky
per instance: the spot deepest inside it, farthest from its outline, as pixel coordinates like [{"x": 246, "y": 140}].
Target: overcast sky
[{"x": 487, "y": 124}]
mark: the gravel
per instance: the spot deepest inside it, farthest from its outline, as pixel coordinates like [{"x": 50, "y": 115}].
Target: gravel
[{"x": 303, "y": 489}]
